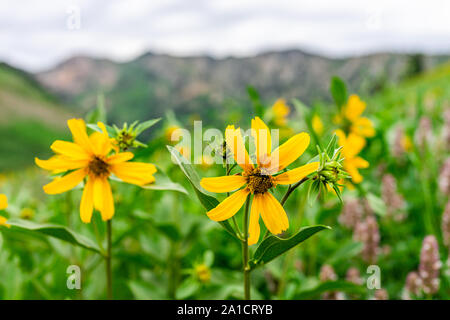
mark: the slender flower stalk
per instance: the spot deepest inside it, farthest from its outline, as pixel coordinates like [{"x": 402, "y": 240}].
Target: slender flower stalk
[
  {"x": 368, "y": 233},
  {"x": 446, "y": 225},
  {"x": 429, "y": 265},
  {"x": 394, "y": 201},
  {"x": 444, "y": 178},
  {"x": 327, "y": 274}
]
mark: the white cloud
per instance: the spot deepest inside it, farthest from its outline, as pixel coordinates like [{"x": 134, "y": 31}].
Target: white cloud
[{"x": 34, "y": 35}]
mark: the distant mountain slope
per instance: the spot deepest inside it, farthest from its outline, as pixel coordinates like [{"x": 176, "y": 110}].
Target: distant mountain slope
[
  {"x": 151, "y": 84},
  {"x": 30, "y": 118}
]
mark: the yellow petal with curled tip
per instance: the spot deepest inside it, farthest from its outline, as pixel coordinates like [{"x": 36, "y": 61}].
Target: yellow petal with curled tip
[
  {"x": 223, "y": 184},
  {"x": 138, "y": 173},
  {"x": 263, "y": 140},
  {"x": 235, "y": 143},
  {"x": 87, "y": 201},
  {"x": 273, "y": 214},
  {"x": 229, "y": 207},
  {"x": 254, "y": 229},
  {"x": 120, "y": 157},
  {"x": 70, "y": 150},
  {"x": 297, "y": 174},
  {"x": 103, "y": 199},
  {"x": 59, "y": 164},
  {"x": 67, "y": 182},
  {"x": 78, "y": 129},
  {"x": 288, "y": 152}
]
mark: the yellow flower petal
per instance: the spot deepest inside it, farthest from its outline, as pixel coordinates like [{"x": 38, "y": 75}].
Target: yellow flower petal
[
  {"x": 223, "y": 184},
  {"x": 236, "y": 145},
  {"x": 60, "y": 164},
  {"x": 79, "y": 134},
  {"x": 254, "y": 229},
  {"x": 87, "y": 201},
  {"x": 62, "y": 184},
  {"x": 288, "y": 152},
  {"x": 3, "y": 202},
  {"x": 363, "y": 127},
  {"x": 360, "y": 163},
  {"x": 3, "y": 221},
  {"x": 297, "y": 174},
  {"x": 103, "y": 198},
  {"x": 120, "y": 157},
  {"x": 101, "y": 145},
  {"x": 355, "y": 107},
  {"x": 69, "y": 149},
  {"x": 273, "y": 214},
  {"x": 228, "y": 207},
  {"x": 353, "y": 145},
  {"x": 263, "y": 140},
  {"x": 134, "y": 172},
  {"x": 317, "y": 124}
]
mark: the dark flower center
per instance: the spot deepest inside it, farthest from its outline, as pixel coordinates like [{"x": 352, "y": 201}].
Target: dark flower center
[
  {"x": 98, "y": 167},
  {"x": 258, "y": 182}
]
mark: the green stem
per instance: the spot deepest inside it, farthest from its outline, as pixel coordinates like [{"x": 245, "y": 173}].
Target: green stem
[
  {"x": 108, "y": 259},
  {"x": 245, "y": 265},
  {"x": 291, "y": 189}
]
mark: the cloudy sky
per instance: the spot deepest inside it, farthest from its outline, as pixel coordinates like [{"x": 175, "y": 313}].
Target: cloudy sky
[{"x": 35, "y": 35}]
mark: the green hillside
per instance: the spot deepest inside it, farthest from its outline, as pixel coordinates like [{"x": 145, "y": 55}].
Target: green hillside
[{"x": 30, "y": 118}]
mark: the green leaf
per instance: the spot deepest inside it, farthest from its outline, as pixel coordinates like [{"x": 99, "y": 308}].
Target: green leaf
[
  {"x": 338, "y": 91},
  {"x": 145, "y": 125},
  {"x": 340, "y": 285},
  {"x": 55, "y": 231},
  {"x": 274, "y": 246},
  {"x": 207, "y": 201},
  {"x": 377, "y": 204},
  {"x": 169, "y": 230},
  {"x": 256, "y": 101},
  {"x": 99, "y": 113},
  {"x": 111, "y": 131},
  {"x": 347, "y": 251},
  {"x": 163, "y": 182},
  {"x": 313, "y": 191}
]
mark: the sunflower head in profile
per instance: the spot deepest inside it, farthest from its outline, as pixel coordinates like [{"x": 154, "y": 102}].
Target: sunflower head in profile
[
  {"x": 92, "y": 157},
  {"x": 258, "y": 178}
]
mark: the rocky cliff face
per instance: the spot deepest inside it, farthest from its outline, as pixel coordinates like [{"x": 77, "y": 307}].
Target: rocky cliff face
[{"x": 152, "y": 83}]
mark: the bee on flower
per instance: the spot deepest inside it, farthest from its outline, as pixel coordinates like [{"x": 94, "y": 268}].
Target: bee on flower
[
  {"x": 351, "y": 121},
  {"x": 92, "y": 157},
  {"x": 258, "y": 177}
]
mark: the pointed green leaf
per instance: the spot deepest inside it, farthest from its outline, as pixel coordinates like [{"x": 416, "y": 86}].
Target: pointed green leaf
[
  {"x": 340, "y": 285},
  {"x": 145, "y": 125},
  {"x": 338, "y": 91},
  {"x": 273, "y": 246},
  {"x": 163, "y": 182},
  {"x": 55, "y": 231},
  {"x": 207, "y": 200}
]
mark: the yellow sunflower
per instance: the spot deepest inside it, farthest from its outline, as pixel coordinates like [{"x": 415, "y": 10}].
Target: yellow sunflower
[
  {"x": 351, "y": 146},
  {"x": 259, "y": 178},
  {"x": 90, "y": 156},
  {"x": 351, "y": 117}
]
